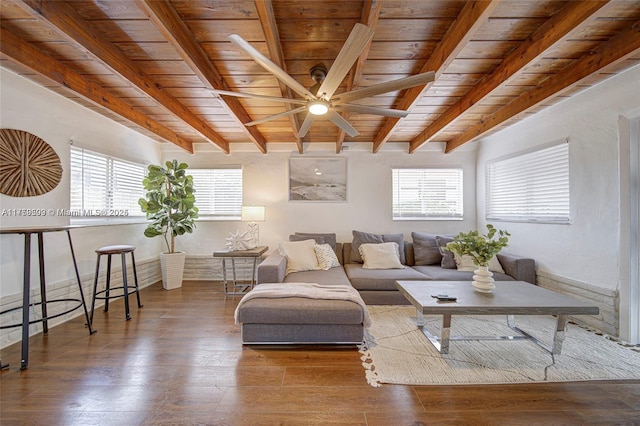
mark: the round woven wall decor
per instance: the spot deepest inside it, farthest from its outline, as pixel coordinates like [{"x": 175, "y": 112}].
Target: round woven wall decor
[{"x": 28, "y": 165}]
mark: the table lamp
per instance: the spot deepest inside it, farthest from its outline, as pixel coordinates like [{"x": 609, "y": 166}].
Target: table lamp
[{"x": 253, "y": 214}]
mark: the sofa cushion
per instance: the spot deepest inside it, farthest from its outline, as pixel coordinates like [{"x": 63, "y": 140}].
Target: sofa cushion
[
  {"x": 425, "y": 249},
  {"x": 379, "y": 279},
  {"x": 333, "y": 276},
  {"x": 437, "y": 273},
  {"x": 327, "y": 258},
  {"x": 360, "y": 238},
  {"x": 448, "y": 259},
  {"x": 301, "y": 255},
  {"x": 381, "y": 256},
  {"x": 318, "y": 239},
  {"x": 300, "y": 310},
  {"x": 327, "y": 238}
]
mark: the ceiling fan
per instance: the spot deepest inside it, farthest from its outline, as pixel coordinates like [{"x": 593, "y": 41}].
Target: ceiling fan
[{"x": 319, "y": 99}]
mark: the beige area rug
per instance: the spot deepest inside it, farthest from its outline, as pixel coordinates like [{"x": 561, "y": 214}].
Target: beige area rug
[{"x": 395, "y": 351}]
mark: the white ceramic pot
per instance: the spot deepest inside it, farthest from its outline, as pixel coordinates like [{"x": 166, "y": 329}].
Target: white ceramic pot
[
  {"x": 483, "y": 280},
  {"x": 172, "y": 267}
]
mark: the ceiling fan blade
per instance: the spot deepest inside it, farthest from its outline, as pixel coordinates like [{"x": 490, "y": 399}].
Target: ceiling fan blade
[
  {"x": 262, "y": 97},
  {"x": 360, "y": 36},
  {"x": 276, "y": 116},
  {"x": 306, "y": 124},
  {"x": 342, "y": 123},
  {"x": 389, "y": 86},
  {"x": 267, "y": 64},
  {"x": 363, "y": 109}
]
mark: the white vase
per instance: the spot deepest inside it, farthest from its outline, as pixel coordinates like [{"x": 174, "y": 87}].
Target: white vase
[
  {"x": 172, "y": 267},
  {"x": 483, "y": 280}
]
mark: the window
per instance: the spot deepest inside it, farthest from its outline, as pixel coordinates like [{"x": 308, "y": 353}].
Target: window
[
  {"x": 530, "y": 187},
  {"x": 427, "y": 194},
  {"x": 104, "y": 187},
  {"x": 218, "y": 192}
]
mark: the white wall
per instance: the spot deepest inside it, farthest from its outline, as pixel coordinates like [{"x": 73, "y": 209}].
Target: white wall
[
  {"x": 368, "y": 207},
  {"x": 34, "y": 109},
  {"x": 587, "y": 250}
]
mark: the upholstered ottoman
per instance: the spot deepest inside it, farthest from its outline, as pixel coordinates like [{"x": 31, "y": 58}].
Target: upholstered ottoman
[{"x": 302, "y": 313}]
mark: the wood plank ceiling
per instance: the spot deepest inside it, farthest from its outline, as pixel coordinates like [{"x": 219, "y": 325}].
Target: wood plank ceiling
[{"x": 149, "y": 64}]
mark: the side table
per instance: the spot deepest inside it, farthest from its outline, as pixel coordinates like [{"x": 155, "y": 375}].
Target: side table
[{"x": 239, "y": 287}]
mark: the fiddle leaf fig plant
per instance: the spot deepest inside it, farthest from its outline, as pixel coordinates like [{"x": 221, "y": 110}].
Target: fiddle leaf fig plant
[
  {"x": 169, "y": 202},
  {"x": 480, "y": 247}
]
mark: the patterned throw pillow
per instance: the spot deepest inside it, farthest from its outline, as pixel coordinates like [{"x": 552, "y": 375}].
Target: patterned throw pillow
[{"x": 327, "y": 258}]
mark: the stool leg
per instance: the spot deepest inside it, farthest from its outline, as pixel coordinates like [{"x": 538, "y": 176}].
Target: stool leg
[
  {"x": 43, "y": 285},
  {"x": 106, "y": 293},
  {"x": 95, "y": 290},
  {"x": 135, "y": 279},
  {"x": 124, "y": 284}
]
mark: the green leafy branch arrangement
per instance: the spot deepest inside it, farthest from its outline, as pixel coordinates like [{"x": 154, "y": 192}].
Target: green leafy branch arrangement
[
  {"x": 169, "y": 202},
  {"x": 480, "y": 247}
]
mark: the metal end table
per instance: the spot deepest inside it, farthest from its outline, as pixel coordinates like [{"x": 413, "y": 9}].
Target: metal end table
[{"x": 239, "y": 287}]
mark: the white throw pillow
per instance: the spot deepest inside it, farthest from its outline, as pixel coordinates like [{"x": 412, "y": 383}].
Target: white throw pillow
[
  {"x": 327, "y": 258},
  {"x": 381, "y": 256},
  {"x": 465, "y": 263},
  {"x": 301, "y": 255}
]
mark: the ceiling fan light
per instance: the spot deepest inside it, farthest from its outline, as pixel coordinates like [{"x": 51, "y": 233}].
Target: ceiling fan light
[{"x": 319, "y": 107}]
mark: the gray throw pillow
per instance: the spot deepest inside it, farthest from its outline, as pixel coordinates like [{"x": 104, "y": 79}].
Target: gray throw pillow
[
  {"x": 327, "y": 238},
  {"x": 425, "y": 249},
  {"x": 360, "y": 238},
  {"x": 448, "y": 259}
]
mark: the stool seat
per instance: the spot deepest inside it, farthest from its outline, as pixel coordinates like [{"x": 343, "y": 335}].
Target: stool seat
[
  {"x": 115, "y": 249},
  {"x": 106, "y": 294}
]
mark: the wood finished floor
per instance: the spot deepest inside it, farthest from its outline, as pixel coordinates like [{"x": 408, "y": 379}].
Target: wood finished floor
[{"x": 180, "y": 361}]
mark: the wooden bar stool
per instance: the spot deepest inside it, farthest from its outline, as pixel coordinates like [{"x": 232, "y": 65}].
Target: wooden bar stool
[{"x": 122, "y": 250}]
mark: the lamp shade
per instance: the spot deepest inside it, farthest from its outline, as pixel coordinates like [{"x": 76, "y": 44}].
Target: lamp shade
[{"x": 253, "y": 213}]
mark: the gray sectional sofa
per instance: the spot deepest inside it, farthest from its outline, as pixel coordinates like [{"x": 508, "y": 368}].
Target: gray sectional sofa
[{"x": 423, "y": 260}]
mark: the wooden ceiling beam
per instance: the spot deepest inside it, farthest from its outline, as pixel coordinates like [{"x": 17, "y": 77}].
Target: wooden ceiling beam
[
  {"x": 370, "y": 15},
  {"x": 63, "y": 17},
  {"x": 271, "y": 35},
  {"x": 472, "y": 16},
  {"x": 174, "y": 30},
  {"x": 558, "y": 28},
  {"x": 624, "y": 45},
  {"x": 24, "y": 54}
]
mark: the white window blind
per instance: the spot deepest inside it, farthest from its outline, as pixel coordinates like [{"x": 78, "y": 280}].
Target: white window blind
[
  {"x": 427, "y": 194},
  {"x": 531, "y": 187},
  {"x": 104, "y": 187},
  {"x": 218, "y": 192}
]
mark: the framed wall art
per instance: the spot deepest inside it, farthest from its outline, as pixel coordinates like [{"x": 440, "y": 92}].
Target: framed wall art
[{"x": 318, "y": 179}]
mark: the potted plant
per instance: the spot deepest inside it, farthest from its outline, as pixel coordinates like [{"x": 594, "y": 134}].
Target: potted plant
[
  {"x": 170, "y": 205},
  {"x": 481, "y": 248}
]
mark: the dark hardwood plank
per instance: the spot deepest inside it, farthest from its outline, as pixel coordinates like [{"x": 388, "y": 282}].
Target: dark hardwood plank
[{"x": 180, "y": 360}]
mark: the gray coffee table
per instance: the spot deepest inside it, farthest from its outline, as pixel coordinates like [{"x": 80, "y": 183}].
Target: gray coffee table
[{"x": 509, "y": 298}]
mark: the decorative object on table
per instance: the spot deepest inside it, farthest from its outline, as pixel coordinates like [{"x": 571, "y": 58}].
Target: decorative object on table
[
  {"x": 30, "y": 166},
  {"x": 237, "y": 241},
  {"x": 481, "y": 248},
  {"x": 318, "y": 179},
  {"x": 253, "y": 214},
  {"x": 170, "y": 205}
]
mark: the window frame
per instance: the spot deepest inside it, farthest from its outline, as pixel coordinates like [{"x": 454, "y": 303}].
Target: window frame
[
  {"x": 534, "y": 197},
  {"x": 109, "y": 212},
  {"x": 429, "y": 216},
  {"x": 202, "y": 212}
]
